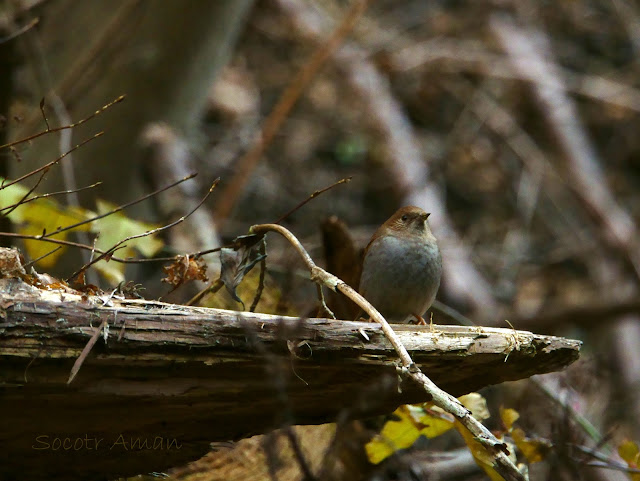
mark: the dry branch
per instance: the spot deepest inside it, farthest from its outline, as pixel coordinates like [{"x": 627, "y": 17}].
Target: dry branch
[
  {"x": 48, "y": 165},
  {"x": 64, "y": 127},
  {"x": 495, "y": 448}
]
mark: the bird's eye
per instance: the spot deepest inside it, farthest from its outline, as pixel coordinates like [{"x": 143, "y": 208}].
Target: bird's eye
[{"x": 405, "y": 218}]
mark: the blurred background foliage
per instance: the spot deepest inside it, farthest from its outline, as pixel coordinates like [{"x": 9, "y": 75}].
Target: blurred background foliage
[{"x": 514, "y": 123}]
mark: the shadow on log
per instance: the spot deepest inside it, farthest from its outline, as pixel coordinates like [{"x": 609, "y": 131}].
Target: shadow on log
[{"x": 164, "y": 381}]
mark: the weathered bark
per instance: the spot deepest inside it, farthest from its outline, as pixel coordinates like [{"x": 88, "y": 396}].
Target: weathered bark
[{"x": 197, "y": 375}]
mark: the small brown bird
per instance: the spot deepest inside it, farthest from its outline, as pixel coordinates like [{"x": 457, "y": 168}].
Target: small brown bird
[{"x": 402, "y": 267}]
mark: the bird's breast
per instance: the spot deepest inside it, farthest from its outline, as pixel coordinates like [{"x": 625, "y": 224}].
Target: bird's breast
[{"x": 401, "y": 276}]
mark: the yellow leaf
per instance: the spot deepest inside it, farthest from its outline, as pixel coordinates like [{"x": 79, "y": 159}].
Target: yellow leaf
[
  {"x": 396, "y": 434},
  {"x": 480, "y": 454},
  {"x": 628, "y": 450},
  {"x": 36, "y": 249},
  {"x": 533, "y": 449},
  {"x": 477, "y": 404},
  {"x": 436, "y": 422},
  {"x": 509, "y": 416},
  {"x": 34, "y": 218}
]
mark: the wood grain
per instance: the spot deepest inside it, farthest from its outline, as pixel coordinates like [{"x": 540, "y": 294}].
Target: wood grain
[{"x": 181, "y": 376}]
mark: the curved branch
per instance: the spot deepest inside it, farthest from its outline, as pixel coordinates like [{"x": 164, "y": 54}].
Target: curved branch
[{"x": 442, "y": 399}]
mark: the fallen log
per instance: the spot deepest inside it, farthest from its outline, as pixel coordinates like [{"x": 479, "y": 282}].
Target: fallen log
[{"x": 162, "y": 381}]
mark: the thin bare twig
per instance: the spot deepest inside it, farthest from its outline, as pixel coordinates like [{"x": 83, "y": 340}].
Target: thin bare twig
[
  {"x": 35, "y": 47},
  {"x": 27, "y": 194},
  {"x": 210, "y": 289},
  {"x": 20, "y": 31},
  {"x": 263, "y": 268},
  {"x": 128, "y": 260},
  {"x": 30, "y": 263},
  {"x": 50, "y": 194},
  {"x": 49, "y": 164},
  {"x": 194, "y": 255},
  {"x": 119, "y": 244},
  {"x": 346, "y": 180},
  {"x": 46, "y": 237},
  {"x": 85, "y": 352},
  {"x": 44, "y": 115},
  {"x": 61, "y": 242},
  {"x": 498, "y": 450},
  {"x": 323, "y": 305},
  {"x": 64, "y": 127},
  {"x": 287, "y": 100},
  {"x": 121, "y": 207},
  {"x": 603, "y": 461}
]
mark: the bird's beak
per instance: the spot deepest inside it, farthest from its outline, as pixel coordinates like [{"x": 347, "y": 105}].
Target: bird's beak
[{"x": 426, "y": 215}]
